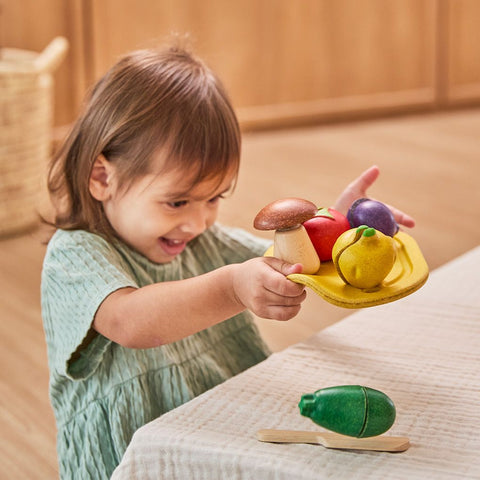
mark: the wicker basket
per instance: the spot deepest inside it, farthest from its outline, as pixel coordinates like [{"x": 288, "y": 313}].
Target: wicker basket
[{"x": 26, "y": 115}]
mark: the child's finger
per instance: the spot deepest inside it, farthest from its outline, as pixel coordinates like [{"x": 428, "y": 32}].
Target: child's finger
[
  {"x": 283, "y": 313},
  {"x": 277, "y": 283},
  {"x": 402, "y": 218},
  {"x": 365, "y": 180},
  {"x": 283, "y": 267},
  {"x": 357, "y": 189},
  {"x": 274, "y": 299}
]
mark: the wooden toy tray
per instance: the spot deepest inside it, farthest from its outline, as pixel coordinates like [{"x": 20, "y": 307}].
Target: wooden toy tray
[{"x": 408, "y": 274}]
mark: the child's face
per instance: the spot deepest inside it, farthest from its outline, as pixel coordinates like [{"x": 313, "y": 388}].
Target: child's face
[{"x": 158, "y": 215}]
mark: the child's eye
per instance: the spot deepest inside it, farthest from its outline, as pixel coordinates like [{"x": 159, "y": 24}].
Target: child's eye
[
  {"x": 177, "y": 204},
  {"x": 216, "y": 199}
]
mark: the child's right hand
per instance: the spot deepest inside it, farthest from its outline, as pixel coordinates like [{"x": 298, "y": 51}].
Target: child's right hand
[
  {"x": 261, "y": 286},
  {"x": 166, "y": 312}
]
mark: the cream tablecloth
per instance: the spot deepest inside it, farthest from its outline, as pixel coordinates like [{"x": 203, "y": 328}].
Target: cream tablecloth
[{"x": 423, "y": 351}]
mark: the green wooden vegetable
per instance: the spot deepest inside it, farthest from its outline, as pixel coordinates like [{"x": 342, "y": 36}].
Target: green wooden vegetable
[{"x": 350, "y": 410}]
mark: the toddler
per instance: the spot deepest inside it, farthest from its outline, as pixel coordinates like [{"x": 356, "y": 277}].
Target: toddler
[{"x": 146, "y": 300}]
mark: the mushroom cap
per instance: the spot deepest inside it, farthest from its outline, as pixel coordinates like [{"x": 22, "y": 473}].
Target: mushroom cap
[{"x": 284, "y": 214}]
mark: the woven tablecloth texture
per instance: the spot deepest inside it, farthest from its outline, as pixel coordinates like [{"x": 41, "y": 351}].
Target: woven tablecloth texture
[{"x": 423, "y": 351}]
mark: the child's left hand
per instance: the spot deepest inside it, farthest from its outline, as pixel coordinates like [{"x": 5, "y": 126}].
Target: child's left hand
[{"x": 358, "y": 189}]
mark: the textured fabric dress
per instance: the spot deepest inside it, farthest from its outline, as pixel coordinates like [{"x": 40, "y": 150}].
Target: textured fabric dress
[{"x": 102, "y": 392}]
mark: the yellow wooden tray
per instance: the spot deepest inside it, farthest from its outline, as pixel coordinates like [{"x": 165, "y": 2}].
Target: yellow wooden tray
[{"x": 408, "y": 274}]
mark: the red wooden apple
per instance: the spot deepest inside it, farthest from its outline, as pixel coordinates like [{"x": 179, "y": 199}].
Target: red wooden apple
[{"x": 324, "y": 229}]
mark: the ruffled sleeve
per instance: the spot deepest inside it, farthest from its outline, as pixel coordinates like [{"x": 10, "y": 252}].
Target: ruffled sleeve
[{"x": 80, "y": 270}]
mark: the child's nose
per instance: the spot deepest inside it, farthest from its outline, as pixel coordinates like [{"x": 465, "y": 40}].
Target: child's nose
[{"x": 197, "y": 222}]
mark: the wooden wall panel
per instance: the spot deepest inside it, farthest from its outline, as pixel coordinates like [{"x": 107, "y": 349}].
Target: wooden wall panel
[
  {"x": 463, "y": 51},
  {"x": 348, "y": 57},
  {"x": 284, "y": 60}
]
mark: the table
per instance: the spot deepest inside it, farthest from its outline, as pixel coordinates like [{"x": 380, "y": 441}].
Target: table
[{"x": 423, "y": 351}]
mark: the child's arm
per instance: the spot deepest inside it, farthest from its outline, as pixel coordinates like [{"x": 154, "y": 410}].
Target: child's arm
[
  {"x": 358, "y": 189},
  {"x": 165, "y": 312}
]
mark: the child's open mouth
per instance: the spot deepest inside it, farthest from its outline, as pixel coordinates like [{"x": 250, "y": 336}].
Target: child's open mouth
[{"x": 172, "y": 247}]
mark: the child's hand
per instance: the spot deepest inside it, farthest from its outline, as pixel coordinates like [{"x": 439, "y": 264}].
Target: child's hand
[
  {"x": 261, "y": 286},
  {"x": 358, "y": 189}
]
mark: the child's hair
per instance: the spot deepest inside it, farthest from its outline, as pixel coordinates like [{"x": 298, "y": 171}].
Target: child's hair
[{"x": 164, "y": 102}]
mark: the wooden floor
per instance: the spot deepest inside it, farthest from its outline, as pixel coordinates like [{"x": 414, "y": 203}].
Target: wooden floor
[{"x": 430, "y": 168}]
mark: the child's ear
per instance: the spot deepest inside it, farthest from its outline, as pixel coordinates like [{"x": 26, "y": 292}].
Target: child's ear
[{"x": 100, "y": 179}]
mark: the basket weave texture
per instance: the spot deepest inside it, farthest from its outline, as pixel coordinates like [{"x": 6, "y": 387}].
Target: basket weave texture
[{"x": 26, "y": 118}]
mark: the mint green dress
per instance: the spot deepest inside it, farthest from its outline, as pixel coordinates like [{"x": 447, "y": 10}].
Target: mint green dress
[{"x": 102, "y": 392}]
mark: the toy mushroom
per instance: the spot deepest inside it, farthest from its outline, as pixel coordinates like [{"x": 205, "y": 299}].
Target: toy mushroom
[{"x": 291, "y": 240}]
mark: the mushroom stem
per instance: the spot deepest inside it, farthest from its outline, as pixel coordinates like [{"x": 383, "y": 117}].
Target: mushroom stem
[{"x": 294, "y": 246}]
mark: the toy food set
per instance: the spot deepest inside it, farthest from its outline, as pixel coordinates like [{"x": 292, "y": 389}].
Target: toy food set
[
  {"x": 291, "y": 240},
  {"x": 349, "y": 410},
  {"x": 353, "y": 261}
]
